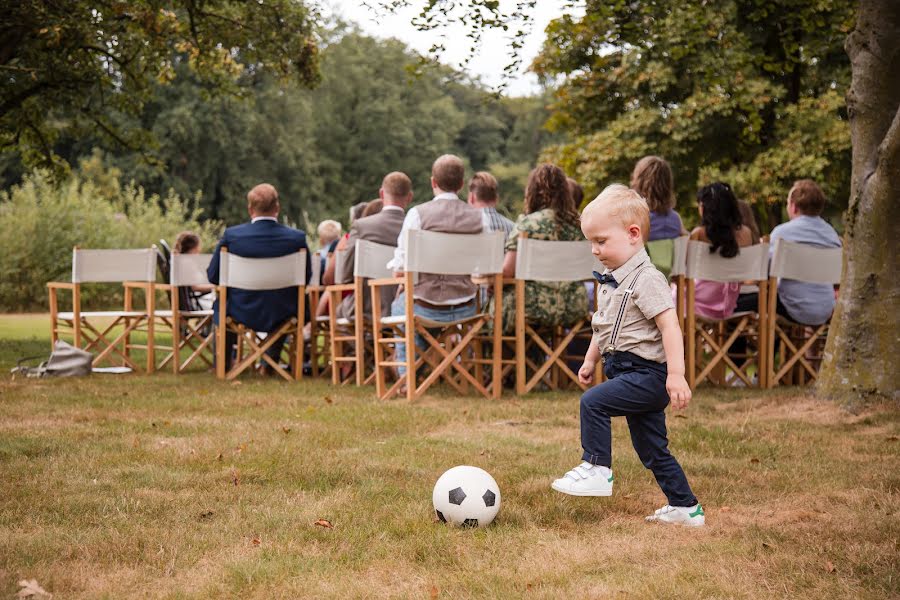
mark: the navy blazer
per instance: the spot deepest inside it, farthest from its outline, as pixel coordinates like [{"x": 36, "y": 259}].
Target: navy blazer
[{"x": 267, "y": 309}]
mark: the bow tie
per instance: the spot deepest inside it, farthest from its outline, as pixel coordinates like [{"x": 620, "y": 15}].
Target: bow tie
[{"x": 606, "y": 278}]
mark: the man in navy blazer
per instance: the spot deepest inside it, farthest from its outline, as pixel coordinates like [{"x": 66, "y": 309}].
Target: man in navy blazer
[{"x": 262, "y": 237}]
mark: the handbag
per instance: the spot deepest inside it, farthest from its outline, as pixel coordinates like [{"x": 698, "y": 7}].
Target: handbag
[{"x": 65, "y": 361}]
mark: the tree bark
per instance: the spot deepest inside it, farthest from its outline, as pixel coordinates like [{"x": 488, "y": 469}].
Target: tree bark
[{"x": 861, "y": 356}]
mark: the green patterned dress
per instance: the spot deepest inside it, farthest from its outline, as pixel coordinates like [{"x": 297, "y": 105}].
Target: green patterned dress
[{"x": 546, "y": 303}]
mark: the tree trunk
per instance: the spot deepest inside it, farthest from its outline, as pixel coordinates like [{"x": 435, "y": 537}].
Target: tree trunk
[{"x": 861, "y": 357}]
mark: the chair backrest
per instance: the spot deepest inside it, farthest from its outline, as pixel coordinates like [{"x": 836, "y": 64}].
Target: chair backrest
[
  {"x": 544, "y": 260},
  {"x": 679, "y": 256},
  {"x": 454, "y": 253},
  {"x": 316, "y": 269},
  {"x": 662, "y": 254},
  {"x": 751, "y": 263},
  {"x": 113, "y": 266},
  {"x": 262, "y": 273},
  {"x": 189, "y": 269},
  {"x": 370, "y": 260},
  {"x": 802, "y": 262}
]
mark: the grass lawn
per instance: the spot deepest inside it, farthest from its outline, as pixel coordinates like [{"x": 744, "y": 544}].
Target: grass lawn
[{"x": 134, "y": 486}]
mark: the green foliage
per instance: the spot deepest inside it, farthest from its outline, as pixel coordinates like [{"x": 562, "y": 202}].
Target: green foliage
[
  {"x": 73, "y": 66},
  {"x": 41, "y": 221},
  {"x": 719, "y": 92}
]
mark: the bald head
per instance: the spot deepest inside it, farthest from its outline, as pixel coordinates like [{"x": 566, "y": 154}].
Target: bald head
[
  {"x": 448, "y": 173},
  {"x": 262, "y": 201}
]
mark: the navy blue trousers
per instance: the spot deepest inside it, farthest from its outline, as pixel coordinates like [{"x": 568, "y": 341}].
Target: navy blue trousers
[{"x": 635, "y": 389}]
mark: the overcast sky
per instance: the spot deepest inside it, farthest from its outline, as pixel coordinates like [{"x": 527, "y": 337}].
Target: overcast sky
[{"x": 488, "y": 63}]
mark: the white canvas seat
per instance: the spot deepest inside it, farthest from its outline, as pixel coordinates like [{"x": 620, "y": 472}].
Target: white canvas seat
[
  {"x": 548, "y": 261},
  {"x": 259, "y": 274},
  {"x": 191, "y": 330},
  {"x": 319, "y": 355},
  {"x": 350, "y": 345},
  {"x": 798, "y": 359},
  {"x": 97, "y": 330},
  {"x": 709, "y": 342},
  {"x": 450, "y": 351}
]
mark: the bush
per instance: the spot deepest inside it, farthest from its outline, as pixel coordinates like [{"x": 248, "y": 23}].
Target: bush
[{"x": 41, "y": 221}]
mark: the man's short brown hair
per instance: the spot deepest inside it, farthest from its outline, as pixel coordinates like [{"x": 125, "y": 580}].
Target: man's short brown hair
[
  {"x": 263, "y": 199},
  {"x": 484, "y": 186},
  {"x": 396, "y": 185},
  {"x": 449, "y": 173},
  {"x": 807, "y": 197}
]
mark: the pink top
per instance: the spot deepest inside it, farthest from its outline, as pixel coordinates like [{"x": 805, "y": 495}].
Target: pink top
[{"x": 715, "y": 300}]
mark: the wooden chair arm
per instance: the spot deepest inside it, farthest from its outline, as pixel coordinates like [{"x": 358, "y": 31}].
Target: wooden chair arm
[
  {"x": 60, "y": 285},
  {"x": 340, "y": 287},
  {"x": 385, "y": 281},
  {"x": 139, "y": 285}
]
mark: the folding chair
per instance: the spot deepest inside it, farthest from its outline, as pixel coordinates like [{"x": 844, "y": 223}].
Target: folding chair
[
  {"x": 548, "y": 261},
  {"x": 809, "y": 264},
  {"x": 710, "y": 340},
  {"x": 189, "y": 323},
  {"x": 258, "y": 274},
  {"x": 93, "y": 330},
  {"x": 369, "y": 262},
  {"x": 449, "y": 349},
  {"x": 319, "y": 357}
]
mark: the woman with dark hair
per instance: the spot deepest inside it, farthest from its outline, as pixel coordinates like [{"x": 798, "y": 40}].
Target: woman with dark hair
[
  {"x": 722, "y": 228},
  {"x": 549, "y": 214}
]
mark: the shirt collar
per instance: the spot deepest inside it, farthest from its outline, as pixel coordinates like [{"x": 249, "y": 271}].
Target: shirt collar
[
  {"x": 255, "y": 219},
  {"x": 392, "y": 207},
  {"x": 640, "y": 258},
  {"x": 446, "y": 196}
]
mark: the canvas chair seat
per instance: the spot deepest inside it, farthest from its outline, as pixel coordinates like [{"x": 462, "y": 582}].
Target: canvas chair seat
[
  {"x": 732, "y": 317},
  {"x": 431, "y": 323},
  {"x": 184, "y": 313},
  {"x": 90, "y": 314}
]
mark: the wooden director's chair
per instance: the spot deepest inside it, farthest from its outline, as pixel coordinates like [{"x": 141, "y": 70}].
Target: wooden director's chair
[
  {"x": 449, "y": 344},
  {"x": 799, "y": 358},
  {"x": 319, "y": 357},
  {"x": 709, "y": 344},
  {"x": 350, "y": 344},
  {"x": 258, "y": 274},
  {"x": 549, "y": 261},
  {"x": 190, "y": 324},
  {"x": 94, "y": 330}
]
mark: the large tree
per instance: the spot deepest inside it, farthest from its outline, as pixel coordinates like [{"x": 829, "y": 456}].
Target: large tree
[
  {"x": 72, "y": 66},
  {"x": 861, "y": 357}
]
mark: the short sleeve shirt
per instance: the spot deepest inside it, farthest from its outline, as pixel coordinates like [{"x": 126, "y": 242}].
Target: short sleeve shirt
[{"x": 652, "y": 295}]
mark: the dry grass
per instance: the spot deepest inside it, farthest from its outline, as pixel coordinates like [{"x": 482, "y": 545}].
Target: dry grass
[{"x": 125, "y": 487}]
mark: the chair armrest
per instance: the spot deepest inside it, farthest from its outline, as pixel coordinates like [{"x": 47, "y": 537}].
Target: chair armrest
[
  {"x": 140, "y": 285},
  {"x": 385, "y": 281},
  {"x": 166, "y": 287},
  {"x": 340, "y": 287},
  {"x": 60, "y": 285}
]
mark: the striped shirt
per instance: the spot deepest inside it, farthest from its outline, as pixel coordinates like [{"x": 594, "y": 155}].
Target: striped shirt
[{"x": 494, "y": 221}]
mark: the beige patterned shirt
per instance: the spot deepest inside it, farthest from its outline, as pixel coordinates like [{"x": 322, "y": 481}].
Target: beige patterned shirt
[{"x": 638, "y": 332}]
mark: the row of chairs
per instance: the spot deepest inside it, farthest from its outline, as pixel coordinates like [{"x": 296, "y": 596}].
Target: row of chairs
[{"x": 468, "y": 354}]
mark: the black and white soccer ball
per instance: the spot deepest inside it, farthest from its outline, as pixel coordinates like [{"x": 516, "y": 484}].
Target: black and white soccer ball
[{"x": 466, "y": 496}]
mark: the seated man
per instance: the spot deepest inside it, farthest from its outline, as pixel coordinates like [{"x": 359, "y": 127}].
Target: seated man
[
  {"x": 262, "y": 237},
  {"x": 439, "y": 297},
  {"x": 805, "y": 303},
  {"x": 483, "y": 195},
  {"x": 382, "y": 228}
]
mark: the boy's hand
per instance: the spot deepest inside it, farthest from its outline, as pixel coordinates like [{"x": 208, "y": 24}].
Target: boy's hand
[
  {"x": 679, "y": 392},
  {"x": 586, "y": 372}
]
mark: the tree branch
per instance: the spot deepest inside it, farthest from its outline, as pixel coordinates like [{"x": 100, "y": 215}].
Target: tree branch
[{"x": 889, "y": 148}]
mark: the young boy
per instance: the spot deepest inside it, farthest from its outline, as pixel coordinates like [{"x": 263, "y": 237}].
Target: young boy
[{"x": 636, "y": 335}]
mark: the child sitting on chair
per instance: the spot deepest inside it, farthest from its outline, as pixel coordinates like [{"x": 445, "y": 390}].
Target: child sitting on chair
[{"x": 637, "y": 337}]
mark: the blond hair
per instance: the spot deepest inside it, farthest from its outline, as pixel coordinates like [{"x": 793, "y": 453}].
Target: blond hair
[
  {"x": 484, "y": 186},
  {"x": 328, "y": 231},
  {"x": 263, "y": 200},
  {"x": 625, "y": 205},
  {"x": 448, "y": 172}
]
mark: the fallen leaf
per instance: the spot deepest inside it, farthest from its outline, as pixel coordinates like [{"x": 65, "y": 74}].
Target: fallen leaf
[
  {"x": 285, "y": 429},
  {"x": 680, "y": 416},
  {"x": 134, "y": 443},
  {"x": 31, "y": 589},
  {"x": 434, "y": 591},
  {"x": 527, "y": 587},
  {"x": 152, "y": 424},
  {"x": 327, "y": 399},
  {"x": 829, "y": 566},
  {"x": 768, "y": 545},
  {"x": 167, "y": 423},
  {"x": 236, "y": 383},
  {"x": 255, "y": 541},
  {"x": 206, "y": 514},
  {"x": 235, "y": 477},
  {"x": 219, "y": 457},
  {"x": 240, "y": 448},
  {"x": 892, "y": 438},
  {"x": 482, "y": 452},
  {"x": 725, "y": 509},
  {"x": 324, "y": 523},
  {"x": 754, "y": 460}
]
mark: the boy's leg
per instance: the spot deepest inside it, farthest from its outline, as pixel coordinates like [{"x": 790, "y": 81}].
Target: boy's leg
[{"x": 649, "y": 437}]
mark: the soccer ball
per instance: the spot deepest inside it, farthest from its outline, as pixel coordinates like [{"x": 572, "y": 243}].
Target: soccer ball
[{"x": 466, "y": 496}]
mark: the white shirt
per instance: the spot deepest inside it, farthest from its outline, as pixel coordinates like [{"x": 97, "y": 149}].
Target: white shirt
[
  {"x": 255, "y": 219},
  {"x": 414, "y": 221}
]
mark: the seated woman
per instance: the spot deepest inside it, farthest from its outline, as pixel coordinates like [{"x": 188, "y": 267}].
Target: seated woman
[
  {"x": 550, "y": 214},
  {"x": 722, "y": 228},
  {"x": 198, "y": 297},
  {"x": 652, "y": 178}
]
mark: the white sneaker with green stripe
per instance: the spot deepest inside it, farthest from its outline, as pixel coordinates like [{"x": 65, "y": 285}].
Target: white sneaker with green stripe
[
  {"x": 586, "y": 480},
  {"x": 691, "y": 516}
]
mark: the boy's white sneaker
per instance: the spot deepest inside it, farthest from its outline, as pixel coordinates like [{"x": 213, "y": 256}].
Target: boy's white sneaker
[
  {"x": 691, "y": 516},
  {"x": 585, "y": 480}
]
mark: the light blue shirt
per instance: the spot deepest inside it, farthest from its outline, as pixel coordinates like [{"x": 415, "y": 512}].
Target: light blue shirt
[{"x": 807, "y": 303}]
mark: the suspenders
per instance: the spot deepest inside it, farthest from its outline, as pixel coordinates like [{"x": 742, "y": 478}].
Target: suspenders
[{"x": 617, "y": 326}]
